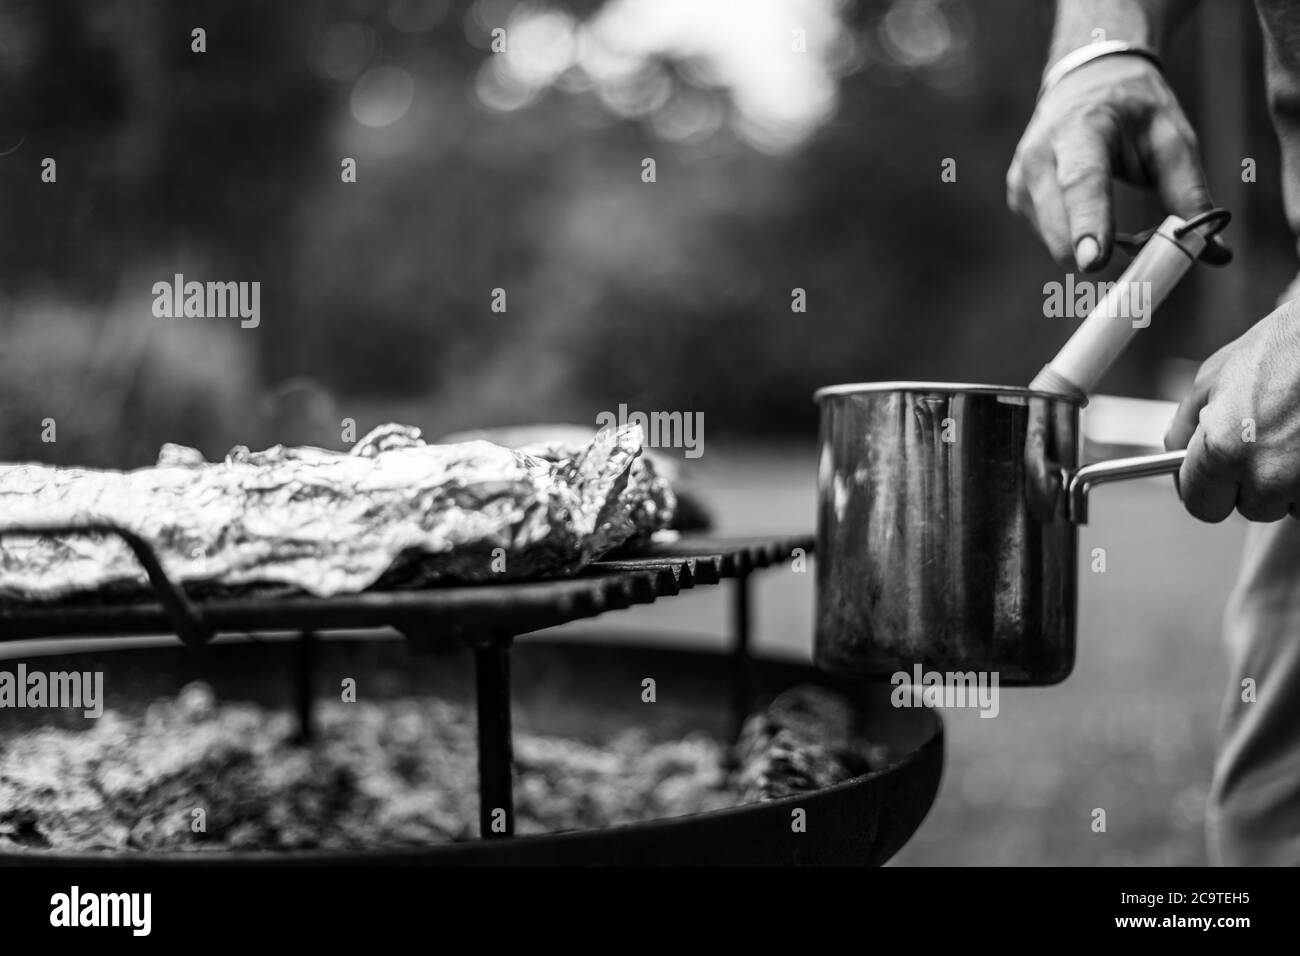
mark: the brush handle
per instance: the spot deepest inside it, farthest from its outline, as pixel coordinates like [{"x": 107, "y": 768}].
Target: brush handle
[{"x": 1125, "y": 308}]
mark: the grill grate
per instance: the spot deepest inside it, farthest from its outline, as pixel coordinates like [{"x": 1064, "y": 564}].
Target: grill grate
[
  {"x": 484, "y": 617},
  {"x": 459, "y": 613}
]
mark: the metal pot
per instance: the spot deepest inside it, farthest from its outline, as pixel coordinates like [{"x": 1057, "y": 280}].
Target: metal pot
[{"x": 947, "y": 526}]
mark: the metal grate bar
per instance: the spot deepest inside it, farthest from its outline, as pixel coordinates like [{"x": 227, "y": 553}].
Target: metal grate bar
[
  {"x": 460, "y": 612},
  {"x": 183, "y": 618}
]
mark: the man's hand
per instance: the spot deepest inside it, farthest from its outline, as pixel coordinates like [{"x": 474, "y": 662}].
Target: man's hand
[
  {"x": 1241, "y": 425},
  {"x": 1113, "y": 117}
]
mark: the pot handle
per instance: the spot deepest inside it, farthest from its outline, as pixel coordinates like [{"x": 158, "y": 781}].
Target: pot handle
[{"x": 1118, "y": 469}]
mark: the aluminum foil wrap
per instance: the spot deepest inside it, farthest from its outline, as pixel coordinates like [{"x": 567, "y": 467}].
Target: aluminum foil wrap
[
  {"x": 394, "y": 511},
  {"x": 649, "y": 498}
]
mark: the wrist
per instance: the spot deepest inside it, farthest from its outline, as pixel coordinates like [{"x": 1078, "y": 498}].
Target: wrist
[
  {"x": 1079, "y": 24},
  {"x": 1090, "y": 53},
  {"x": 1146, "y": 23}
]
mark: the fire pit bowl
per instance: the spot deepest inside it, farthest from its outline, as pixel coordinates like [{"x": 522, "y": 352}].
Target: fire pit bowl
[{"x": 564, "y": 688}]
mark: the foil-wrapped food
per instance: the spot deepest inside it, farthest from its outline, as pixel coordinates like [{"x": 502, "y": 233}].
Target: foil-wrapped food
[{"x": 394, "y": 511}]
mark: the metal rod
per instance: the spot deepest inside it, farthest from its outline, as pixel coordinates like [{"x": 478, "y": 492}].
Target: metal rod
[
  {"x": 740, "y": 612},
  {"x": 496, "y": 813},
  {"x": 186, "y": 619},
  {"x": 742, "y": 691},
  {"x": 305, "y": 683}
]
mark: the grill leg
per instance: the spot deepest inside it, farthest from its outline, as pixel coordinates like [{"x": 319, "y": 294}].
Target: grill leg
[
  {"x": 305, "y": 680},
  {"x": 740, "y": 614},
  {"x": 742, "y": 695},
  {"x": 495, "y": 748}
]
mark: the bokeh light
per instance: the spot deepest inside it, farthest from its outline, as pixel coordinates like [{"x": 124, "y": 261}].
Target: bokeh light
[
  {"x": 777, "y": 61},
  {"x": 341, "y": 51},
  {"x": 417, "y": 16},
  {"x": 382, "y": 96}
]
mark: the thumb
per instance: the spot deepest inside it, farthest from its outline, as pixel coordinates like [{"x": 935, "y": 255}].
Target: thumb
[
  {"x": 1188, "y": 416},
  {"x": 1208, "y": 489}
]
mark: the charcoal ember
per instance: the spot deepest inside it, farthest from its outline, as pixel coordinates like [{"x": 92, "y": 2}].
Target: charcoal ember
[
  {"x": 806, "y": 739},
  {"x": 399, "y": 772},
  {"x": 19, "y": 827},
  {"x": 785, "y": 767},
  {"x": 47, "y": 797},
  {"x": 569, "y": 785},
  {"x": 814, "y": 715},
  {"x": 393, "y": 509},
  {"x": 196, "y": 701}
]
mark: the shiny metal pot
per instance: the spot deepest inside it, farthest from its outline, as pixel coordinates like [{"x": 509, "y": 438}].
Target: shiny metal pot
[{"x": 946, "y": 532}]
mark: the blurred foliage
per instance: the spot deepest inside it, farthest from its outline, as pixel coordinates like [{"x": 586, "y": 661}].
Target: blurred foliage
[
  {"x": 109, "y": 394},
  {"x": 672, "y": 295}
]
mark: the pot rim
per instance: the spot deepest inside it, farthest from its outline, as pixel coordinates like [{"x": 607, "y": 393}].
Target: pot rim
[{"x": 965, "y": 388}]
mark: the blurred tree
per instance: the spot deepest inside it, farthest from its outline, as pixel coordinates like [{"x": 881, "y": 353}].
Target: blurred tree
[{"x": 521, "y": 171}]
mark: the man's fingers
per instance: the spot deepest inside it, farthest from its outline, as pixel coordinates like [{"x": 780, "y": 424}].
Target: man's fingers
[
  {"x": 1083, "y": 173},
  {"x": 1205, "y": 481},
  {"x": 1256, "y": 506},
  {"x": 1049, "y": 214},
  {"x": 1032, "y": 191},
  {"x": 1176, "y": 167},
  {"x": 1017, "y": 191}
]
